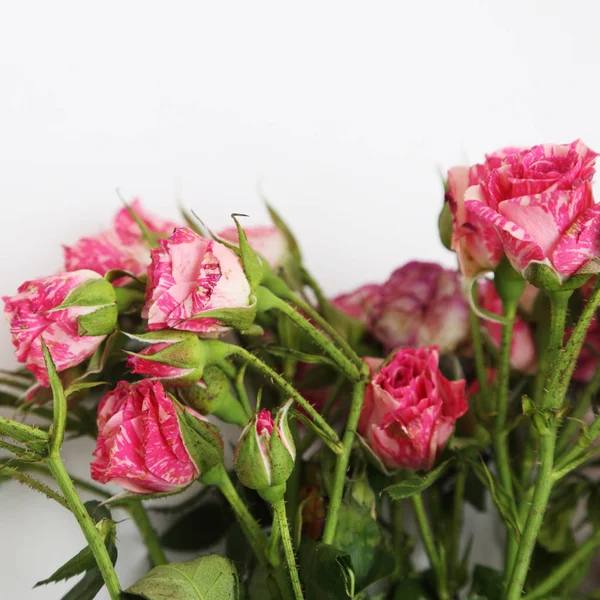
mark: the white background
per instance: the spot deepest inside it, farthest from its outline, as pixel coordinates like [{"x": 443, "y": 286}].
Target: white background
[{"x": 346, "y": 111}]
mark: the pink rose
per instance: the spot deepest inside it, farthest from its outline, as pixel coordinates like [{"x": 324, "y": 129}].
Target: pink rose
[
  {"x": 121, "y": 247},
  {"x": 522, "y": 352},
  {"x": 140, "y": 446},
  {"x": 190, "y": 275},
  {"x": 410, "y": 409},
  {"x": 421, "y": 304},
  {"x": 360, "y": 303},
  {"x": 56, "y": 310},
  {"x": 540, "y": 203},
  {"x": 266, "y": 241},
  {"x": 474, "y": 240}
]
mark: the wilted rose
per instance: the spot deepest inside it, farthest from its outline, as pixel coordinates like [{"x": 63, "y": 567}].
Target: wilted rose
[{"x": 410, "y": 409}]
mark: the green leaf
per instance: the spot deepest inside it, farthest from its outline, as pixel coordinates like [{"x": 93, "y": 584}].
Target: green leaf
[
  {"x": 487, "y": 582},
  {"x": 326, "y": 572},
  {"x": 211, "y": 577},
  {"x": 415, "y": 484},
  {"x": 501, "y": 499},
  {"x": 359, "y": 535},
  {"x": 412, "y": 589},
  {"x": 87, "y": 588},
  {"x": 77, "y": 387},
  {"x": 82, "y": 561},
  {"x": 201, "y": 528}
]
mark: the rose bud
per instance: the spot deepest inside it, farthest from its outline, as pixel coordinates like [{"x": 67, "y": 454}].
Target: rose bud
[
  {"x": 522, "y": 350},
  {"x": 421, "y": 304},
  {"x": 141, "y": 440},
  {"x": 265, "y": 453},
  {"x": 72, "y": 312},
  {"x": 175, "y": 357},
  {"x": 121, "y": 247},
  {"x": 266, "y": 241},
  {"x": 474, "y": 240},
  {"x": 410, "y": 409},
  {"x": 541, "y": 205},
  {"x": 212, "y": 395},
  {"x": 189, "y": 277}
]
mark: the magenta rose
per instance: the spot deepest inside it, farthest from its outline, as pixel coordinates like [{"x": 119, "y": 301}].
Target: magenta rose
[
  {"x": 522, "y": 351},
  {"x": 267, "y": 241},
  {"x": 474, "y": 240},
  {"x": 140, "y": 446},
  {"x": 540, "y": 203},
  {"x": 122, "y": 247},
  {"x": 72, "y": 312},
  {"x": 421, "y": 304},
  {"x": 190, "y": 275},
  {"x": 410, "y": 409}
]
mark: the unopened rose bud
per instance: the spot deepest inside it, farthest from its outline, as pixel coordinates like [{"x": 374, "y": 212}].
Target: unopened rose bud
[{"x": 265, "y": 453}]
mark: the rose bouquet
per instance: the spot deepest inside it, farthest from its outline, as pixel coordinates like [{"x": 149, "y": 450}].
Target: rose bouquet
[{"x": 364, "y": 424}]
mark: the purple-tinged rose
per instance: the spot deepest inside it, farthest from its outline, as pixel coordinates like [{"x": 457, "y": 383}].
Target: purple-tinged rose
[
  {"x": 121, "y": 247},
  {"x": 140, "y": 445},
  {"x": 474, "y": 240},
  {"x": 421, "y": 304},
  {"x": 540, "y": 202},
  {"x": 522, "y": 350},
  {"x": 360, "y": 303},
  {"x": 190, "y": 275},
  {"x": 410, "y": 409},
  {"x": 72, "y": 312},
  {"x": 267, "y": 241}
]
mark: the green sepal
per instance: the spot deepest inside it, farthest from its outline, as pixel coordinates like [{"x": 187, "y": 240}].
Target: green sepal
[
  {"x": 415, "y": 484},
  {"x": 241, "y": 318},
  {"x": 445, "y": 226},
  {"x": 282, "y": 451},
  {"x": 253, "y": 267},
  {"x": 547, "y": 279},
  {"x": 185, "y": 353},
  {"x": 100, "y": 322},
  {"x": 508, "y": 283},
  {"x": 93, "y": 292},
  {"x": 252, "y": 465},
  {"x": 202, "y": 439}
]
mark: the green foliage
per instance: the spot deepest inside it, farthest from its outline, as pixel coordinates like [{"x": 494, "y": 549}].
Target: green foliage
[
  {"x": 325, "y": 572},
  {"x": 487, "y": 584},
  {"x": 211, "y": 577}
]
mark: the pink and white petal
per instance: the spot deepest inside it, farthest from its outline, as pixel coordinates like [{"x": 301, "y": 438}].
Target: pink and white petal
[
  {"x": 232, "y": 289},
  {"x": 580, "y": 244}
]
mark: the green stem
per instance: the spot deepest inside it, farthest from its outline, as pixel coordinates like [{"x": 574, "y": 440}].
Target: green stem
[
  {"x": 398, "y": 537},
  {"x": 242, "y": 392},
  {"x": 92, "y": 535},
  {"x": 499, "y": 433},
  {"x": 331, "y": 331},
  {"x": 567, "y": 466},
  {"x": 34, "y": 484},
  {"x": 541, "y": 495},
  {"x": 429, "y": 544},
  {"x": 275, "y": 538},
  {"x": 140, "y": 516},
  {"x": 457, "y": 518},
  {"x": 341, "y": 465},
  {"x": 345, "y": 365},
  {"x": 255, "y": 535},
  {"x": 478, "y": 355},
  {"x": 558, "y": 574},
  {"x": 321, "y": 426},
  {"x": 288, "y": 549}
]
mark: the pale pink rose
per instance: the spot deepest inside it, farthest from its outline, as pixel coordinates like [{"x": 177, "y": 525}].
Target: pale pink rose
[
  {"x": 522, "y": 350},
  {"x": 421, "y": 304},
  {"x": 267, "y": 241},
  {"x": 121, "y": 247},
  {"x": 140, "y": 446},
  {"x": 190, "y": 275},
  {"x": 475, "y": 241},
  {"x": 410, "y": 409},
  {"x": 541, "y": 204},
  {"x": 34, "y": 314},
  {"x": 360, "y": 303}
]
